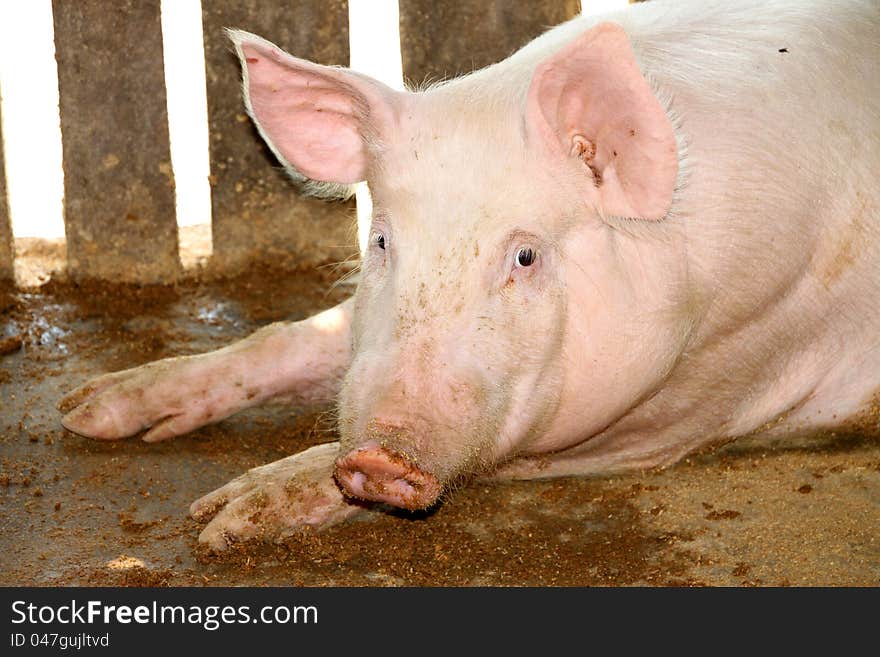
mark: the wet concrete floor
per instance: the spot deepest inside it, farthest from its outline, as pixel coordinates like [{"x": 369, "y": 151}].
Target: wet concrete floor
[{"x": 77, "y": 511}]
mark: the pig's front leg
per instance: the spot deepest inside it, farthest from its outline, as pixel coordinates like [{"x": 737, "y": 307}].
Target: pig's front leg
[
  {"x": 275, "y": 500},
  {"x": 301, "y": 362}
]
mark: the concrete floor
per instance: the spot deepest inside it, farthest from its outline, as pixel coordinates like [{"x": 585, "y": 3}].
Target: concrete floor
[{"x": 76, "y": 511}]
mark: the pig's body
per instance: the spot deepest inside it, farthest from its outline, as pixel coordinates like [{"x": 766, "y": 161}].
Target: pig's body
[{"x": 738, "y": 295}]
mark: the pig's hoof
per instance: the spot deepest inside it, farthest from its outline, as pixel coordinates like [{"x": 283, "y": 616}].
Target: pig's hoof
[
  {"x": 275, "y": 500},
  {"x": 169, "y": 397},
  {"x": 124, "y": 403}
]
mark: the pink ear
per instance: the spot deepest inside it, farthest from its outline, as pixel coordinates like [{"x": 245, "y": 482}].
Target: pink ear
[
  {"x": 317, "y": 119},
  {"x": 590, "y": 102}
]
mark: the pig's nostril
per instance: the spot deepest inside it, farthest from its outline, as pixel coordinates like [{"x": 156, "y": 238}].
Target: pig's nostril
[{"x": 412, "y": 483}]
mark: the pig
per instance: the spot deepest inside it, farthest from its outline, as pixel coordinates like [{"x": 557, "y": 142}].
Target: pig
[{"x": 641, "y": 234}]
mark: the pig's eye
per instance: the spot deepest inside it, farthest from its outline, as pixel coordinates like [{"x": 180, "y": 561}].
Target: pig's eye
[
  {"x": 379, "y": 239},
  {"x": 526, "y": 257}
]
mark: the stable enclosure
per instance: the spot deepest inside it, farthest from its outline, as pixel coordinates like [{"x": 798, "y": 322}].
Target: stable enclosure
[
  {"x": 119, "y": 182},
  {"x": 122, "y": 291}
]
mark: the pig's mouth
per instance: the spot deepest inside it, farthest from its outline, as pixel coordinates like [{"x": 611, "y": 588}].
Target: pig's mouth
[{"x": 377, "y": 474}]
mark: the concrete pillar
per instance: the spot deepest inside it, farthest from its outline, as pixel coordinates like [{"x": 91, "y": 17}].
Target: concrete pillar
[
  {"x": 258, "y": 215},
  {"x": 442, "y": 39},
  {"x": 6, "y": 248},
  {"x": 119, "y": 209}
]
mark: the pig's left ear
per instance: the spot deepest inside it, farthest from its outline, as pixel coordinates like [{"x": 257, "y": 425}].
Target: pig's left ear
[{"x": 590, "y": 102}]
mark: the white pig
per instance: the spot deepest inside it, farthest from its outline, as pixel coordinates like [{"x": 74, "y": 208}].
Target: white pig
[{"x": 640, "y": 234}]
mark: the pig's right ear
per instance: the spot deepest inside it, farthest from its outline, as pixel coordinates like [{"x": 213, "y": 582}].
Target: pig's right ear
[{"x": 320, "y": 121}]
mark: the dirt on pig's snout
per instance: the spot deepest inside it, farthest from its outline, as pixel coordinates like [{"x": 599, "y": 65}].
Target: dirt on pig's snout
[{"x": 79, "y": 511}]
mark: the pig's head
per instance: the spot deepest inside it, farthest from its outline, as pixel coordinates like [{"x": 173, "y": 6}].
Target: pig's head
[{"x": 491, "y": 300}]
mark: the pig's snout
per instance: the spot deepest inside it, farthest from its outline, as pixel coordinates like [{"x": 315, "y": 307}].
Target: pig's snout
[{"x": 380, "y": 475}]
